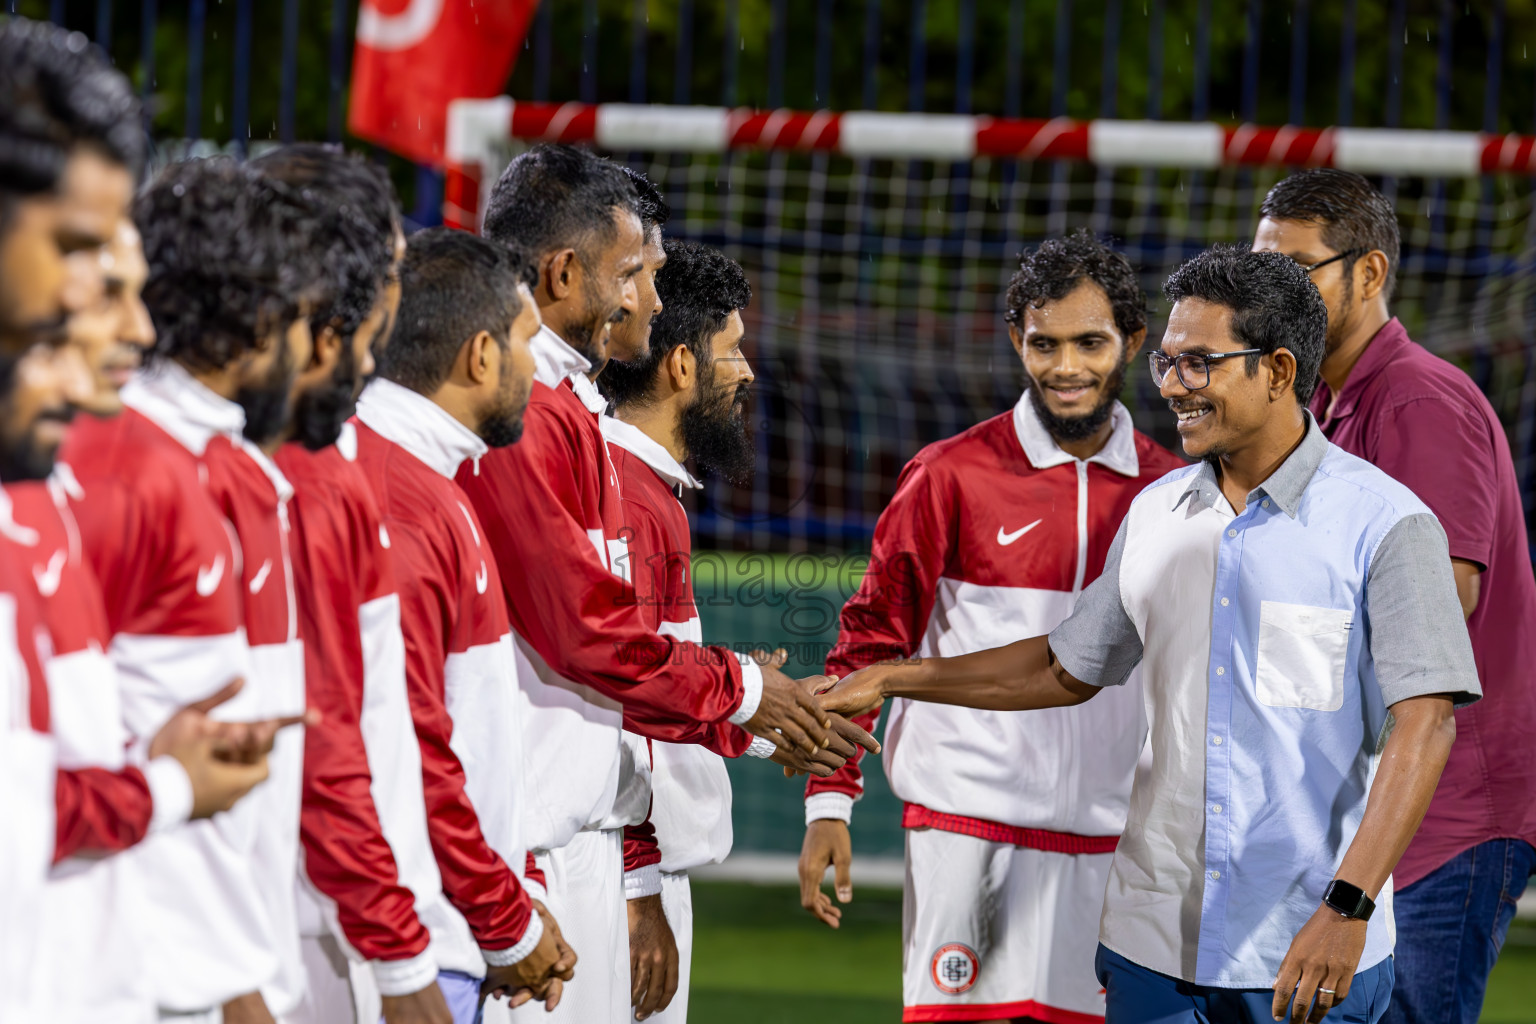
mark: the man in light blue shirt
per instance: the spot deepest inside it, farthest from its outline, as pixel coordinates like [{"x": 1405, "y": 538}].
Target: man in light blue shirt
[{"x": 1302, "y": 647}]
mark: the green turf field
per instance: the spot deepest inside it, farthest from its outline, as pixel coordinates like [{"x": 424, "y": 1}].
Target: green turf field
[{"x": 759, "y": 959}]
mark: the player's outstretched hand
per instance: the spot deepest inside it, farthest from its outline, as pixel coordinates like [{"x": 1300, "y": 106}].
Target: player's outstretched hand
[
  {"x": 539, "y": 975},
  {"x": 425, "y": 1006},
  {"x": 823, "y": 763},
  {"x": 223, "y": 760},
  {"x": 653, "y": 957},
  {"x": 826, "y": 842},
  {"x": 857, "y": 692},
  {"x": 789, "y": 716},
  {"x": 810, "y": 734}
]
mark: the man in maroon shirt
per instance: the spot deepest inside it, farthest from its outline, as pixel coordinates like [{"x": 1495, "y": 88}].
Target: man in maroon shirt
[{"x": 1422, "y": 420}]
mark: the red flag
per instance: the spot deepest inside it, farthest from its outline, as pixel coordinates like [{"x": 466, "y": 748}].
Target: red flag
[{"x": 415, "y": 56}]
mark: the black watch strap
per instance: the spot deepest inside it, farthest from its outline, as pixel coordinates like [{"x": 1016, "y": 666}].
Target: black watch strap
[{"x": 1349, "y": 900}]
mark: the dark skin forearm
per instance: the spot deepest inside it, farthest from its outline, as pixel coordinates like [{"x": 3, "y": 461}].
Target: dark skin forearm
[
  {"x": 1319, "y": 968},
  {"x": 1405, "y": 781},
  {"x": 1022, "y": 676}
]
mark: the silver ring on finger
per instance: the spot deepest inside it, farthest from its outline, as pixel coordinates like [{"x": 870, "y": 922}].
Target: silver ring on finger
[{"x": 1326, "y": 992}]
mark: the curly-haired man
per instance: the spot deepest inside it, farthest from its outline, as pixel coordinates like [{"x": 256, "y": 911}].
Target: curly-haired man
[{"x": 992, "y": 535}]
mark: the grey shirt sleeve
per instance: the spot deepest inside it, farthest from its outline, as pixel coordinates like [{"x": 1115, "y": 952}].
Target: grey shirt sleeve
[
  {"x": 1415, "y": 627},
  {"x": 1098, "y": 643}
]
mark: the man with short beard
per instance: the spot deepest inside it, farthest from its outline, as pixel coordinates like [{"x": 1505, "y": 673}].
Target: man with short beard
[
  {"x": 589, "y": 662},
  {"x": 992, "y": 535},
  {"x": 370, "y": 893},
  {"x": 453, "y": 383},
  {"x": 233, "y": 269},
  {"x": 685, "y": 398}
]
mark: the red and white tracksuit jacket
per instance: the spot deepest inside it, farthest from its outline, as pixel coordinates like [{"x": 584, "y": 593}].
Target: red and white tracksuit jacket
[
  {"x": 689, "y": 791},
  {"x": 589, "y": 662},
  {"x": 170, "y": 571},
  {"x": 89, "y": 910},
  {"x": 254, "y": 496},
  {"x": 460, "y": 673},
  {"x": 372, "y": 881},
  {"x": 58, "y": 711},
  {"x": 990, "y": 537},
  {"x": 28, "y": 795}
]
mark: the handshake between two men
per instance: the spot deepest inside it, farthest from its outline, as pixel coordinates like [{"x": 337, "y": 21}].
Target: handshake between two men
[{"x": 808, "y": 738}]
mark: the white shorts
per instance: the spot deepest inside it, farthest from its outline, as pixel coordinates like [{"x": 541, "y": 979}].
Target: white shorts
[
  {"x": 1000, "y": 930},
  {"x": 585, "y": 881},
  {"x": 677, "y": 904}
]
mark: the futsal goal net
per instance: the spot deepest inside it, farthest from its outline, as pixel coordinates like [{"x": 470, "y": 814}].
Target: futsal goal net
[{"x": 879, "y": 247}]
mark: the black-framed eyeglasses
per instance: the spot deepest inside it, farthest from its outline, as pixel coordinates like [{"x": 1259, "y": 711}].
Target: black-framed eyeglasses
[
  {"x": 1346, "y": 254},
  {"x": 1193, "y": 368}
]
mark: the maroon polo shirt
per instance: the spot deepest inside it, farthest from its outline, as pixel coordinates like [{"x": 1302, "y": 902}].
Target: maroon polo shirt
[{"x": 1423, "y": 421}]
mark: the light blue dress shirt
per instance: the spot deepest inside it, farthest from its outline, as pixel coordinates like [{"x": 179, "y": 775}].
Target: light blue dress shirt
[{"x": 1272, "y": 642}]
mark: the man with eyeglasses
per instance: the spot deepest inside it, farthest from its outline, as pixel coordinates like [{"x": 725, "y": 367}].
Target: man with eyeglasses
[
  {"x": 1424, "y": 422},
  {"x": 1294, "y": 616}
]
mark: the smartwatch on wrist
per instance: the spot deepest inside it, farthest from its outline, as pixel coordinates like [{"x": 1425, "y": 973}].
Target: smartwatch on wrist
[{"x": 1349, "y": 900}]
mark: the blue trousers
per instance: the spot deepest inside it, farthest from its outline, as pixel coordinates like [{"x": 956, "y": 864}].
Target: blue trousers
[
  {"x": 1450, "y": 927},
  {"x": 1135, "y": 995},
  {"x": 462, "y": 994}
]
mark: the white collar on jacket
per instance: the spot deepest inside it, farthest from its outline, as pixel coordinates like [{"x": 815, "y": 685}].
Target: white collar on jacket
[
  {"x": 645, "y": 448},
  {"x": 10, "y": 529},
  {"x": 279, "y": 482},
  {"x": 187, "y": 409},
  {"x": 419, "y": 425},
  {"x": 1118, "y": 453},
  {"x": 175, "y": 401},
  {"x": 554, "y": 361}
]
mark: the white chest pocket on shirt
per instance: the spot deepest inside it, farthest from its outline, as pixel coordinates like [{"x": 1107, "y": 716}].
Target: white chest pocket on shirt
[{"x": 1302, "y": 652}]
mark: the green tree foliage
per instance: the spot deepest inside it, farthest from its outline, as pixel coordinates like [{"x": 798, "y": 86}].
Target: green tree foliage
[{"x": 1025, "y": 28}]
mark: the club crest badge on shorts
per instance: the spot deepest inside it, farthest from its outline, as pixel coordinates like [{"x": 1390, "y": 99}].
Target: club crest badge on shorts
[{"x": 955, "y": 968}]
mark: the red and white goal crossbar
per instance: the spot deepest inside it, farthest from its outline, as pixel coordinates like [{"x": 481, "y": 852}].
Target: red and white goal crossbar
[{"x": 475, "y": 127}]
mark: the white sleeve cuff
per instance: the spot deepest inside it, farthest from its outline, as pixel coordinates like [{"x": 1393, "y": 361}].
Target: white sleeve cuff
[
  {"x": 642, "y": 882},
  {"x": 761, "y": 747},
  {"x": 752, "y": 687},
  {"x": 820, "y": 806},
  {"x": 170, "y": 793},
  {"x": 534, "y": 889},
  {"x": 525, "y": 945},
  {"x": 402, "y": 977}
]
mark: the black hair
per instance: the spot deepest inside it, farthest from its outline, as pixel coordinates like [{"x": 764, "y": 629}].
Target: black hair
[
  {"x": 700, "y": 288},
  {"x": 1056, "y": 267},
  {"x": 1274, "y": 305},
  {"x": 453, "y": 285},
  {"x": 232, "y": 255},
  {"x": 555, "y": 197},
  {"x": 57, "y": 92},
  {"x": 359, "y": 216},
  {"x": 651, "y": 208},
  {"x": 1353, "y": 215}
]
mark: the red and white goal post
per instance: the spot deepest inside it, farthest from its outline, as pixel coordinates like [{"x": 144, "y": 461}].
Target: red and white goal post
[{"x": 478, "y": 129}]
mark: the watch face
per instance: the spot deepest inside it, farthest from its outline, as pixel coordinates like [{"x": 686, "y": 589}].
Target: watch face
[{"x": 1349, "y": 900}]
